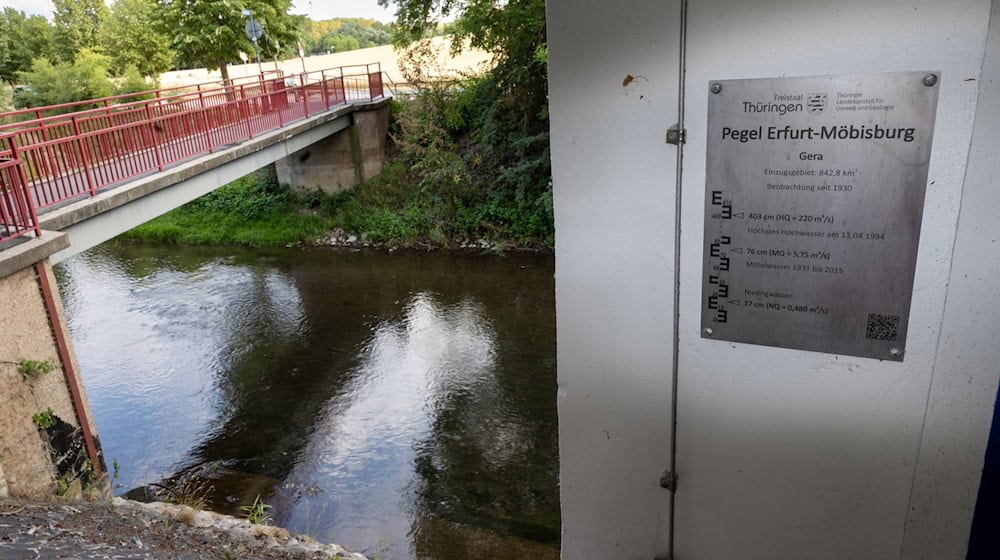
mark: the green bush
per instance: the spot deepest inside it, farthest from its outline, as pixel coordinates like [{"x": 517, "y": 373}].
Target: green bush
[
  {"x": 52, "y": 84},
  {"x": 131, "y": 81},
  {"x": 466, "y": 168}
]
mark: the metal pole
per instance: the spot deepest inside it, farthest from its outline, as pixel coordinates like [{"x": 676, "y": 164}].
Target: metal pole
[
  {"x": 256, "y": 51},
  {"x": 253, "y": 33},
  {"x": 675, "y": 361}
]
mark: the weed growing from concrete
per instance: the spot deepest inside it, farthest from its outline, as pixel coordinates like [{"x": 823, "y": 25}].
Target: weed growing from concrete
[
  {"x": 256, "y": 512},
  {"x": 33, "y": 368},
  {"x": 44, "y": 419},
  {"x": 62, "y": 485}
]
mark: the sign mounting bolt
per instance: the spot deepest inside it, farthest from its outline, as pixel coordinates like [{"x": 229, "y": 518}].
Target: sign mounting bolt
[
  {"x": 717, "y": 87},
  {"x": 708, "y": 331},
  {"x": 894, "y": 352},
  {"x": 668, "y": 480},
  {"x": 930, "y": 80}
]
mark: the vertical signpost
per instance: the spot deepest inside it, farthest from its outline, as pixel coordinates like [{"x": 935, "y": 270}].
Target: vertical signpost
[
  {"x": 814, "y": 196},
  {"x": 254, "y": 32}
]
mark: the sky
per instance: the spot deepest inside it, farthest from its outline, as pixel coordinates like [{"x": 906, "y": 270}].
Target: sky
[{"x": 317, "y": 9}]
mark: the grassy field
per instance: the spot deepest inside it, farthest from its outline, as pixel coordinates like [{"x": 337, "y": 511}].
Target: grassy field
[{"x": 469, "y": 60}]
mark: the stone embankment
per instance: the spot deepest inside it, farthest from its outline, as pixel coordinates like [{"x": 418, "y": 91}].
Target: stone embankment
[{"x": 123, "y": 529}]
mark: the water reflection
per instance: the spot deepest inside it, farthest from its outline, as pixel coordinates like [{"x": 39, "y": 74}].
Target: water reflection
[{"x": 399, "y": 404}]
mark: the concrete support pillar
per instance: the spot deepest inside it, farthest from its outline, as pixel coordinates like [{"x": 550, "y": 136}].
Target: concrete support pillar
[
  {"x": 47, "y": 437},
  {"x": 267, "y": 176},
  {"x": 343, "y": 160}
]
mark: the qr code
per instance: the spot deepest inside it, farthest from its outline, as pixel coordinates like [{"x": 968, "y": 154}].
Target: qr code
[{"x": 882, "y": 327}]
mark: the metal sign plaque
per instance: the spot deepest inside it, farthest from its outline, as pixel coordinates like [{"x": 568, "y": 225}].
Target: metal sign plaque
[{"x": 814, "y": 197}]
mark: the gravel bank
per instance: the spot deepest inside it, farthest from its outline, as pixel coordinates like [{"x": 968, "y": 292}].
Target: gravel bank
[{"x": 124, "y": 529}]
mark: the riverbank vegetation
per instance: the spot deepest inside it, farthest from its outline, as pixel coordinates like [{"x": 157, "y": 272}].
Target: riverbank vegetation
[
  {"x": 243, "y": 212},
  {"x": 471, "y": 156}
]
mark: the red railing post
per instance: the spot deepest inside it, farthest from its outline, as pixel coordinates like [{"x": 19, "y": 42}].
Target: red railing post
[
  {"x": 28, "y": 201},
  {"x": 305, "y": 96},
  {"x": 374, "y": 84},
  {"x": 204, "y": 119},
  {"x": 152, "y": 133},
  {"x": 244, "y": 102},
  {"x": 324, "y": 89},
  {"x": 280, "y": 105},
  {"x": 83, "y": 156}
]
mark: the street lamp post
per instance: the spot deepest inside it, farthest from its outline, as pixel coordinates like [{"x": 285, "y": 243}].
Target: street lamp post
[{"x": 254, "y": 31}]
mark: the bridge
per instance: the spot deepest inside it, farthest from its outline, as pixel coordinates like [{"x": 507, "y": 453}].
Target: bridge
[
  {"x": 96, "y": 168},
  {"x": 75, "y": 175}
]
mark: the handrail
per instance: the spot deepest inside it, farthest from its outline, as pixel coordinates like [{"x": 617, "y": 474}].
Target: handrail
[
  {"x": 107, "y": 102},
  {"x": 17, "y": 214},
  {"x": 41, "y": 129},
  {"x": 54, "y": 159}
]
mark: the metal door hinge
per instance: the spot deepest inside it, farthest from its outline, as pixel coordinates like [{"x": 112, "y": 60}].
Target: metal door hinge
[
  {"x": 676, "y": 135},
  {"x": 668, "y": 480}
]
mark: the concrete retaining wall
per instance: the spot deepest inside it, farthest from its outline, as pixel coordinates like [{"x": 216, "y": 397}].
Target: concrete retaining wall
[{"x": 26, "y": 333}]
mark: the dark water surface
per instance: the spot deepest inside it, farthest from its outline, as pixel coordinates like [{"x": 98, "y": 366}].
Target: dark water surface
[{"x": 401, "y": 405}]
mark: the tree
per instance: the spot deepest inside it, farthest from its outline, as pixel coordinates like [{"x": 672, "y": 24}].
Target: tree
[
  {"x": 514, "y": 31},
  {"x": 344, "y": 34},
  {"x": 76, "y": 24},
  {"x": 339, "y": 43},
  {"x": 22, "y": 39},
  {"x": 132, "y": 36},
  {"x": 499, "y": 122},
  {"x": 51, "y": 84},
  {"x": 211, "y": 32}
]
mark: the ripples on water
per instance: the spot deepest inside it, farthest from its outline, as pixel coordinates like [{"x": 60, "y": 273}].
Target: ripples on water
[{"x": 399, "y": 405}]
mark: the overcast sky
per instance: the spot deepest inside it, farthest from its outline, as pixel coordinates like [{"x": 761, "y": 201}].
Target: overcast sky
[{"x": 317, "y": 9}]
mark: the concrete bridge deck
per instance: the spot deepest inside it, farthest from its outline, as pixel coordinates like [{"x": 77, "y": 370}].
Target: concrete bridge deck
[{"x": 91, "y": 221}]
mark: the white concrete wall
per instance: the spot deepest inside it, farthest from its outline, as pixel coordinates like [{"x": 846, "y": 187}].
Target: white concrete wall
[
  {"x": 781, "y": 453},
  {"x": 614, "y": 197},
  {"x": 967, "y": 364}
]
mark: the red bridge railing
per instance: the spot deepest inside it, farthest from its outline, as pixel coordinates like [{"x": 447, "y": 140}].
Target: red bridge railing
[
  {"x": 52, "y": 158},
  {"x": 17, "y": 215}
]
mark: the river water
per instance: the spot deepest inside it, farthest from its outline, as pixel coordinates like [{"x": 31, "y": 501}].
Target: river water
[{"x": 401, "y": 405}]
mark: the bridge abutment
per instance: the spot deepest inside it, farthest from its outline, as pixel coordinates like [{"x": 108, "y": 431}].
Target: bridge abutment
[
  {"x": 48, "y": 442},
  {"x": 343, "y": 160}
]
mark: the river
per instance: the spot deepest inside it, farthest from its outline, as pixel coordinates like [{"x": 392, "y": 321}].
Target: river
[{"x": 402, "y": 405}]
